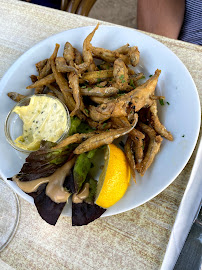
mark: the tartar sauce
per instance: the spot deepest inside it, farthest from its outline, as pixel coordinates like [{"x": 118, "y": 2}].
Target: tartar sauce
[{"x": 45, "y": 118}]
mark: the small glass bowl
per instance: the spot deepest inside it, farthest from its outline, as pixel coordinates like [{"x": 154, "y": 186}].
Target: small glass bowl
[{"x": 14, "y": 125}]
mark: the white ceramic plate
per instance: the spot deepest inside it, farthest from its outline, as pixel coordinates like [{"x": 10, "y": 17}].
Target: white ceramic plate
[{"x": 181, "y": 117}]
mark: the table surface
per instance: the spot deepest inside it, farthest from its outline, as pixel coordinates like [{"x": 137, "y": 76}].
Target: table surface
[{"x": 136, "y": 239}]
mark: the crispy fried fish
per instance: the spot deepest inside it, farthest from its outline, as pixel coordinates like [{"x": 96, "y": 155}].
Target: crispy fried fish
[
  {"x": 68, "y": 54},
  {"x": 138, "y": 98},
  {"x": 40, "y": 65},
  {"x": 76, "y": 138},
  {"x": 103, "y": 138},
  {"x": 120, "y": 73},
  {"x": 74, "y": 84},
  {"x": 130, "y": 157},
  {"x": 15, "y": 96},
  {"x": 62, "y": 66},
  {"x": 153, "y": 148},
  {"x": 136, "y": 135},
  {"x": 97, "y": 76},
  {"x": 87, "y": 54},
  {"x": 157, "y": 125},
  {"x": 99, "y": 92},
  {"x": 134, "y": 56},
  {"x": 44, "y": 81}
]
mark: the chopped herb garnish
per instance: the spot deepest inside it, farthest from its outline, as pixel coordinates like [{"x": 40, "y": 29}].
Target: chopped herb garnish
[
  {"x": 132, "y": 83},
  {"x": 84, "y": 86},
  {"x": 150, "y": 75},
  {"x": 122, "y": 78},
  {"x": 183, "y": 135},
  {"x": 104, "y": 125},
  {"x": 168, "y": 103},
  {"x": 143, "y": 146},
  {"x": 89, "y": 88},
  {"x": 143, "y": 77},
  {"x": 86, "y": 110},
  {"x": 161, "y": 102},
  {"x": 99, "y": 80}
]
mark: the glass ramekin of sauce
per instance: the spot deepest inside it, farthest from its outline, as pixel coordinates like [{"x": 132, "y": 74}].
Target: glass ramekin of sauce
[{"x": 36, "y": 118}]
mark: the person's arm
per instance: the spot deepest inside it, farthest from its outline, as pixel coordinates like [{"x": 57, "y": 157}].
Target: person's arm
[{"x": 161, "y": 17}]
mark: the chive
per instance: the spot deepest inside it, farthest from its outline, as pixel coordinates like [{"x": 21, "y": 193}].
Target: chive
[
  {"x": 104, "y": 125},
  {"x": 132, "y": 83},
  {"x": 150, "y": 75},
  {"x": 168, "y": 103},
  {"x": 143, "y": 146},
  {"x": 183, "y": 135},
  {"x": 161, "y": 102},
  {"x": 86, "y": 110},
  {"x": 99, "y": 80},
  {"x": 143, "y": 77},
  {"x": 84, "y": 86},
  {"x": 89, "y": 88},
  {"x": 122, "y": 78}
]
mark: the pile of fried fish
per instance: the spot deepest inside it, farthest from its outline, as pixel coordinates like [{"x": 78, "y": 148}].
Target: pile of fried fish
[{"x": 107, "y": 100}]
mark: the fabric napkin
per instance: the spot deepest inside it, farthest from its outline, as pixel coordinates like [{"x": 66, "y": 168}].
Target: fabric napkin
[{"x": 186, "y": 213}]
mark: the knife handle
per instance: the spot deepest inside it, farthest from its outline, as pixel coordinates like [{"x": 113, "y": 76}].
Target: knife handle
[{"x": 190, "y": 257}]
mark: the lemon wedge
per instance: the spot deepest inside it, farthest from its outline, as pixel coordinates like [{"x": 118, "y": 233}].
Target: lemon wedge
[{"x": 114, "y": 178}]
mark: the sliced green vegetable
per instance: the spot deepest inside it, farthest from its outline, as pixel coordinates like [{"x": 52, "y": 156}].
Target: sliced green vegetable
[
  {"x": 81, "y": 168},
  {"x": 84, "y": 128},
  {"x": 75, "y": 122}
]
